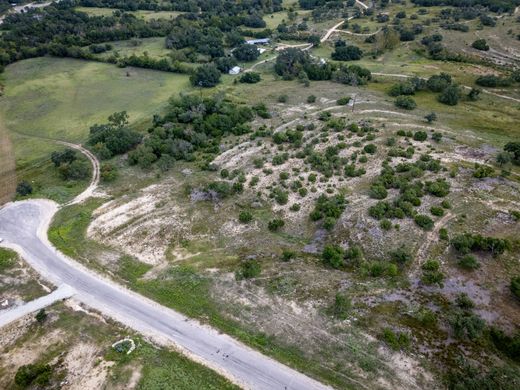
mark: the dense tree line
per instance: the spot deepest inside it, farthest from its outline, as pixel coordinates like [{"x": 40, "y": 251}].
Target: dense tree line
[{"x": 492, "y": 5}]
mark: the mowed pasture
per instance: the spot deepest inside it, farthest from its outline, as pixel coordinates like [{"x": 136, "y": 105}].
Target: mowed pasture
[{"x": 48, "y": 99}]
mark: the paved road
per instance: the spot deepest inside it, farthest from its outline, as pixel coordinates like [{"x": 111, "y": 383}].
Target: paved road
[
  {"x": 15, "y": 313},
  {"x": 23, "y": 226}
]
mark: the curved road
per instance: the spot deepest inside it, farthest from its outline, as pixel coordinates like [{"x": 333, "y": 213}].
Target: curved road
[{"x": 23, "y": 227}]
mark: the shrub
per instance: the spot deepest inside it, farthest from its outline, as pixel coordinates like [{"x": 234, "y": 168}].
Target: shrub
[
  {"x": 466, "y": 325},
  {"x": 431, "y": 274},
  {"x": 420, "y": 136},
  {"x": 24, "y": 188},
  {"x": 464, "y": 302},
  {"x": 332, "y": 255},
  {"x": 341, "y": 307},
  {"x": 250, "y": 78},
  {"x": 76, "y": 170},
  {"x": 108, "y": 172},
  {"x": 245, "y": 217},
  {"x": 288, "y": 254},
  {"x": 41, "y": 316},
  {"x": 39, "y": 374},
  {"x": 378, "y": 191},
  {"x": 385, "y": 224},
  {"x": 437, "y": 211},
  {"x": 370, "y": 148},
  {"x": 483, "y": 171},
  {"x": 405, "y": 102},
  {"x": 480, "y": 44},
  {"x": 343, "y": 101},
  {"x": 443, "y": 234},
  {"x": 515, "y": 286},
  {"x": 311, "y": 99},
  {"x": 396, "y": 340},
  {"x": 248, "y": 269},
  {"x": 400, "y": 256},
  {"x": 275, "y": 224},
  {"x": 283, "y": 99},
  {"x": 468, "y": 262},
  {"x": 424, "y": 221}
]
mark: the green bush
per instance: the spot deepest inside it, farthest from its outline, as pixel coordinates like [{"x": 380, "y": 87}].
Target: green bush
[
  {"x": 245, "y": 216},
  {"x": 424, "y": 221},
  {"x": 468, "y": 262},
  {"x": 288, "y": 254},
  {"x": 332, "y": 255},
  {"x": 515, "y": 286},
  {"x": 405, "y": 102},
  {"x": 343, "y": 101},
  {"x": 437, "y": 211},
  {"x": 275, "y": 224},
  {"x": 33, "y": 374},
  {"x": 420, "y": 136},
  {"x": 396, "y": 340},
  {"x": 431, "y": 273},
  {"x": 248, "y": 269},
  {"x": 342, "y": 306},
  {"x": 385, "y": 224}
]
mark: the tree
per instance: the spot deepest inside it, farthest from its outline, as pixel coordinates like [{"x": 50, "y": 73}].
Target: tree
[
  {"x": 205, "y": 76},
  {"x": 290, "y": 62},
  {"x": 24, "y": 188},
  {"x": 480, "y": 44},
  {"x": 450, "y": 95},
  {"x": 347, "y": 53},
  {"x": 246, "y": 52}
]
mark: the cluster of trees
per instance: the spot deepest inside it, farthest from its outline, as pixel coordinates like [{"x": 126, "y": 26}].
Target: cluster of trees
[
  {"x": 492, "y": 5},
  {"x": 69, "y": 166},
  {"x": 191, "y": 124},
  {"x": 328, "y": 210},
  {"x": 35, "y": 32},
  {"x": 295, "y": 63},
  {"x": 511, "y": 153},
  {"x": 403, "y": 177},
  {"x": 254, "y": 7},
  {"x": 206, "y": 29},
  {"x": 467, "y": 242},
  {"x": 344, "y": 52},
  {"x": 450, "y": 92},
  {"x": 113, "y": 137}
]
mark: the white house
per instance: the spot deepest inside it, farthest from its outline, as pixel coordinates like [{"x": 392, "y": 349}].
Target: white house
[
  {"x": 235, "y": 70},
  {"x": 263, "y": 41}
]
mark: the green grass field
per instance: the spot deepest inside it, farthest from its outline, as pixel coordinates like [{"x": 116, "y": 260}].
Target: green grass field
[{"x": 50, "y": 99}]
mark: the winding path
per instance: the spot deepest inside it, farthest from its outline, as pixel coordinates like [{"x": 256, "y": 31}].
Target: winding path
[{"x": 23, "y": 227}]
